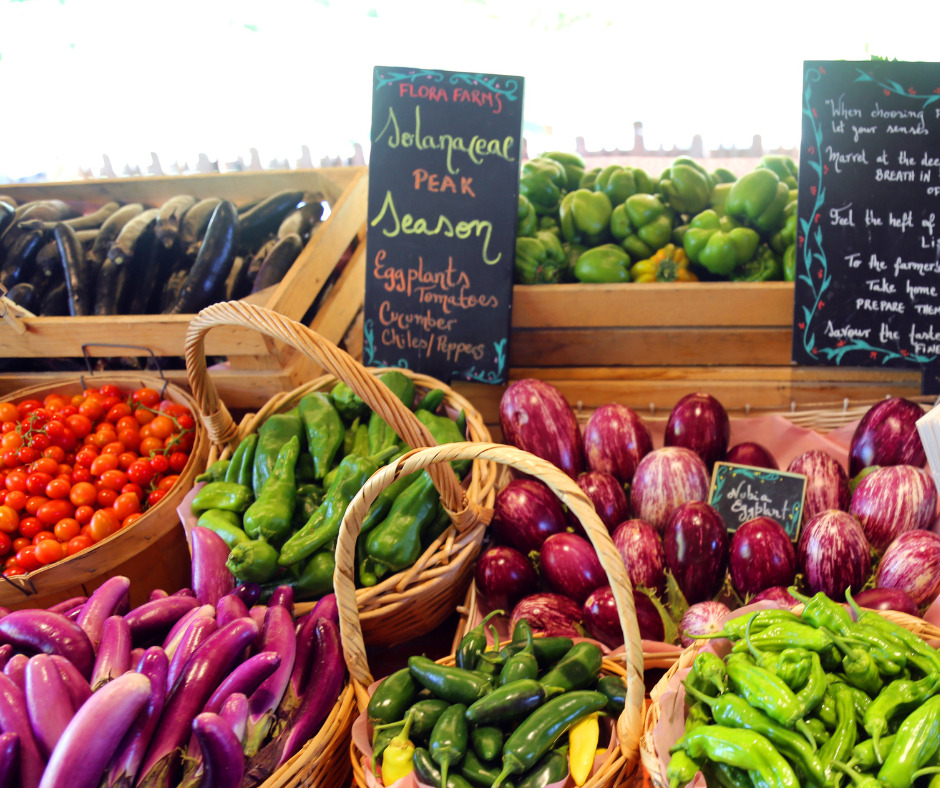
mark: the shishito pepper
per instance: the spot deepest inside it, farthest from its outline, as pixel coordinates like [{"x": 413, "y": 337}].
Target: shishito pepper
[
  {"x": 718, "y": 243},
  {"x": 348, "y": 402},
  {"x": 573, "y": 165},
  {"x": 686, "y": 186},
  {"x": 584, "y": 216},
  {"x": 758, "y": 199},
  {"x": 381, "y": 434},
  {"x": 274, "y": 432},
  {"x": 669, "y": 264},
  {"x": 603, "y": 264},
  {"x": 543, "y": 181},
  {"x": 324, "y": 429},
  {"x": 641, "y": 225},
  {"x": 527, "y": 221},
  {"x": 915, "y": 744},
  {"x": 269, "y": 517},
  {"x": 540, "y": 259},
  {"x": 241, "y": 466},
  {"x": 230, "y": 496},
  {"x": 226, "y": 524},
  {"x": 252, "y": 561}
]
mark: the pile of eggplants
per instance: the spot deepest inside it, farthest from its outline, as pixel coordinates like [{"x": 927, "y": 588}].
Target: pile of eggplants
[
  {"x": 192, "y": 688},
  {"x": 173, "y": 258}
]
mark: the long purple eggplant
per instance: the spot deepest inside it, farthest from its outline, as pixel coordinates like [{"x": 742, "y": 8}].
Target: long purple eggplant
[
  {"x": 50, "y": 633},
  {"x": 157, "y": 593},
  {"x": 193, "y": 636},
  {"x": 244, "y": 679},
  {"x": 96, "y": 730},
  {"x": 171, "y": 641},
  {"x": 211, "y": 578},
  {"x": 9, "y": 760},
  {"x": 153, "y": 620},
  {"x": 47, "y": 702},
  {"x": 114, "y": 651},
  {"x": 15, "y": 719},
  {"x": 102, "y": 604},
  {"x": 200, "y": 676},
  {"x": 235, "y": 713},
  {"x": 326, "y": 607},
  {"x": 230, "y": 607},
  {"x": 125, "y": 764},
  {"x": 250, "y": 593},
  {"x": 257, "y": 613},
  {"x": 283, "y": 596},
  {"x": 6, "y": 651},
  {"x": 277, "y": 635},
  {"x": 15, "y": 670},
  {"x": 76, "y": 685},
  {"x": 222, "y": 759},
  {"x": 68, "y": 604}
]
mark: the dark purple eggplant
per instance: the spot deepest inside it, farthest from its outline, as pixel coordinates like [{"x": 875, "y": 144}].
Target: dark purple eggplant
[
  {"x": 109, "y": 230},
  {"x": 887, "y": 435},
  {"x": 101, "y": 605},
  {"x": 256, "y": 259},
  {"x": 151, "y": 259},
  {"x": 171, "y": 290},
  {"x": 7, "y": 213},
  {"x": 548, "y": 615},
  {"x": 263, "y": 218},
  {"x": 891, "y": 500},
  {"x": 535, "y": 417},
  {"x": 834, "y": 554},
  {"x": 886, "y": 599},
  {"x": 912, "y": 564},
  {"x": 194, "y": 224},
  {"x": 302, "y": 219},
  {"x": 47, "y": 702},
  {"x": 55, "y": 301},
  {"x": 114, "y": 651},
  {"x": 213, "y": 262},
  {"x": 608, "y": 496},
  {"x": 50, "y": 633},
  {"x": 751, "y": 453},
  {"x": 278, "y": 262},
  {"x": 641, "y": 548},
  {"x": 827, "y": 483},
  {"x": 760, "y": 555},
  {"x": 211, "y": 578},
  {"x": 87, "y": 221},
  {"x": 25, "y": 295},
  {"x": 170, "y": 218},
  {"x": 503, "y": 576},
  {"x": 154, "y": 619},
  {"x": 602, "y": 621},
  {"x": 615, "y": 440},
  {"x": 19, "y": 263},
  {"x": 664, "y": 479},
  {"x": 236, "y": 283},
  {"x": 223, "y": 763},
  {"x": 52, "y": 210},
  {"x": 194, "y": 635},
  {"x": 570, "y": 564},
  {"x": 699, "y": 422},
  {"x": 695, "y": 542},
  {"x": 9, "y": 760},
  {"x": 74, "y": 269},
  {"x": 15, "y": 719},
  {"x": 525, "y": 513},
  {"x": 122, "y": 249}
]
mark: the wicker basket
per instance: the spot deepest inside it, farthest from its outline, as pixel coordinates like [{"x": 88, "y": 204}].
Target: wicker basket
[
  {"x": 152, "y": 551},
  {"x": 654, "y": 762},
  {"x": 410, "y": 603},
  {"x": 622, "y": 760}
]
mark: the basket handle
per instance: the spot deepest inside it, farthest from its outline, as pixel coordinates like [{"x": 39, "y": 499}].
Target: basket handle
[
  {"x": 223, "y": 430},
  {"x": 629, "y": 725}
]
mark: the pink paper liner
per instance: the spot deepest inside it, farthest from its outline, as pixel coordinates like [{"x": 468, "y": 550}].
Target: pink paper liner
[{"x": 185, "y": 510}]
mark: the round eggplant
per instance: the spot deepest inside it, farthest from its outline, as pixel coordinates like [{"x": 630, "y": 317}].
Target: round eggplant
[
  {"x": 892, "y": 500},
  {"x": 887, "y": 435},
  {"x": 641, "y": 548},
  {"x": 615, "y": 440},
  {"x": 525, "y": 513},
  {"x": 664, "y": 479},
  {"x": 695, "y": 543},
  {"x": 827, "y": 483},
  {"x": 699, "y": 422}
]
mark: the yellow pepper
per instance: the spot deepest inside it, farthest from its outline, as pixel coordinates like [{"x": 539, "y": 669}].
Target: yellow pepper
[
  {"x": 582, "y": 747},
  {"x": 398, "y": 758},
  {"x": 669, "y": 264}
]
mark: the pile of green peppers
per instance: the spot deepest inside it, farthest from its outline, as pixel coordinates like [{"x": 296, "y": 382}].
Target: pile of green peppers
[
  {"x": 500, "y": 716},
  {"x": 592, "y": 226},
  {"x": 825, "y": 698},
  {"x": 278, "y": 502}
]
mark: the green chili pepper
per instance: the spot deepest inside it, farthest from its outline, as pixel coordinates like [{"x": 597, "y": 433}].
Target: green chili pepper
[
  {"x": 709, "y": 673},
  {"x": 347, "y": 402},
  {"x": 763, "y": 689},
  {"x": 821, "y": 610},
  {"x": 445, "y": 430},
  {"x": 382, "y": 736},
  {"x": 428, "y": 772},
  {"x": 486, "y": 741},
  {"x": 269, "y": 517},
  {"x": 392, "y": 697},
  {"x": 324, "y": 429},
  {"x": 817, "y": 730},
  {"x": 436, "y": 528},
  {"x": 360, "y": 441},
  {"x": 229, "y": 496},
  {"x": 274, "y": 432},
  {"x": 901, "y": 696},
  {"x": 681, "y": 769},
  {"x": 507, "y": 702},
  {"x": 226, "y": 524},
  {"x": 927, "y": 659},
  {"x": 303, "y": 470},
  {"x": 696, "y": 715},
  {"x": 309, "y": 497},
  {"x": 915, "y": 743},
  {"x": 384, "y": 500},
  {"x": 252, "y": 561},
  {"x": 548, "y": 650},
  {"x": 889, "y": 654},
  {"x": 859, "y": 666},
  {"x": 826, "y": 710},
  {"x": 474, "y": 642},
  {"x": 725, "y": 775},
  {"x": 845, "y": 735},
  {"x": 215, "y": 472},
  {"x": 615, "y": 688},
  {"x": 462, "y": 423},
  {"x": 551, "y": 768},
  {"x": 425, "y": 714},
  {"x": 579, "y": 668},
  {"x": 381, "y": 434},
  {"x": 449, "y": 683},
  {"x": 476, "y": 771},
  {"x": 431, "y": 401},
  {"x": 867, "y": 755},
  {"x": 242, "y": 463},
  {"x": 523, "y": 665},
  {"x": 734, "y": 628},
  {"x": 316, "y": 577},
  {"x": 395, "y": 543},
  {"x": 780, "y": 636},
  {"x": 448, "y": 743}
]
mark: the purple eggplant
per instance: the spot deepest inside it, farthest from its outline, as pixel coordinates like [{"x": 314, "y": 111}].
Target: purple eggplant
[
  {"x": 199, "y": 629},
  {"x": 102, "y": 604},
  {"x": 14, "y": 718},
  {"x": 911, "y": 563},
  {"x": 235, "y": 713},
  {"x": 9, "y": 760},
  {"x": 114, "y": 651},
  {"x": 602, "y": 621},
  {"x": 664, "y": 479},
  {"x": 172, "y": 639},
  {"x": 699, "y": 422},
  {"x": 778, "y": 595},
  {"x": 152, "y": 620},
  {"x": 535, "y": 417},
  {"x": 887, "y": 435},
  {"x": 827, "y": 483},
  {"x": 6, "y": 651},
  {"x": 230, "y": 607},
  {"x": 211, "y": 578},
  {"x": 302, "y": 657},
  {"x": 249, "y": 592},
  {"x": 15, "y": 670},
  {"x": 889, "y": 501},
  {"x": 503, "y": 575},
  {"x": 157, "y": 593},
  {"x": 571, "y": 566},
  {"x": 879, "y": 598},
  {"x": 207, "y": 666},
  {"x": 641, "y": 548},
  {"x": 244, "y": 679},
  {"x": 327, "y": 607},
  {"x": 525, "y": 513},
  {"x": 695, "y": 542},
  {"x": 283, "y": 596},
  {"x": 277, "y": 635},
  {"x": 548, "y": 614},
  {"x": 222, "y": 761},
  {"x": 50, "y": 633},
  {"x": 702, "y": 619},
  {"x": 124, "y": 765},
  {"x": 47, "y": 702},
  {"x": 256, "y": 613},
  {"x": 76, "y": 685},
  {"x": 608, "y": 496},
  {"x": 91, "y": 738},
  {"x": 68, "y": 604},
  {"x": 751, "y": 453},
  {"x": 760, "y": 555},
  {"x": 834, "y": 554},
  {"x": 615, "y": 440}
]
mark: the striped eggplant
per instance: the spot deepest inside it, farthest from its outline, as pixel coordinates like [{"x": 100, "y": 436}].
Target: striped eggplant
[
  {"x": 889, "y": 501},
  {"x": 608, "y": 496},
  {"x": 887, "y": 435},
  {"x": 615, "y": 440},
  {"x": 641, "y": 548},
  {"x": 699, "y": 422},
  {"x": 664, "y": 479},
  {"x": 525, "y": 513},
  {"x": 912, "y": 564},
  {"x": 833, "y": 553},
  {"x": 695, "y": 542},
  {"x": 827, "y": 483}
]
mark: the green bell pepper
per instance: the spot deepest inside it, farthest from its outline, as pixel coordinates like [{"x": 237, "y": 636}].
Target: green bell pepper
[
  {"x": 324, "y": 429},
  {"x": 603, "y": 264},
  {"x": 573, "y": 164},
  {"x": 789, "y": 263},
  {"x": 276, "y": 430},
  {"x": 589, "y": 179},
  {"x": 717, "y": 243},
  {"x": 619, "y": 182},
  {"x": 527, "y": 222},
  {"x": 719, "y": 197},
  {"x": 543, "y": 181},
  {"x": 723, "y": 175},
  {"x": 765, "y": 266},
  {"x": 786, "y": 235},
  {"x": 253, "y": 561},
  {"x": 784, "y": 167},
  {"x": 269, "y": 517},
  {"x": 584, "y": 216},
  {"x": 641, "y": 225},
  {"x": 539, "y": 260},
  {"x": 759, "y": 199},
  {"x": 686, "y": 186}
]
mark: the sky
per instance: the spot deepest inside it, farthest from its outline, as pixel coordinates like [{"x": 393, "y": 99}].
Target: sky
[{"x": 81, "y": 78}]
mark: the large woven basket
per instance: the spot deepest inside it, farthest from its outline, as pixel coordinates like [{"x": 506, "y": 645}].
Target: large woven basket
[
  {"x": 622, "y": 760},
  {"x": 654, "y": 762},
  {"x": 409, "y": 603},
  {"x": 152, "y": 551}
]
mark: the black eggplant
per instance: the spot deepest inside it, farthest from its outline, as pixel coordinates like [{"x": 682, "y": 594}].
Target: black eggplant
[
  {"x": 25, "y": 295},
  {"x": 264, "y": 218},
  {"x": 170, "y": 217},
  {"x": 278, "y": 262},
  {"x": 20, "y": 260},
  {"x": 110, "y": 229},
  {"x": 74, "y": 269},
  {"x": 123, "y": 247},
  {"x": 194, "y": 224}
]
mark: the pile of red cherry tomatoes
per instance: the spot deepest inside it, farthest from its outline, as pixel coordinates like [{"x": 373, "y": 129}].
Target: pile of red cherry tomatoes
[{"x": 76, "y": 469}]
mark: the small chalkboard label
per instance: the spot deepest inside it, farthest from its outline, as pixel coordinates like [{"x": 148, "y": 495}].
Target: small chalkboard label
[
  {"x": 742, "y": 492},
  {"x": 868, "y": 232},
  {"x": 443, "y": 200}
]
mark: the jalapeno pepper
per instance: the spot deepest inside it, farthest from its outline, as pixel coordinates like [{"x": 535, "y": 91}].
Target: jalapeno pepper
[
  {"x": 476, "y": 771},
  {"x": 474, "y": 642},
  {"x": 449, "y": 683},
  {"x": 427, "y": 771},
  {"x": 523, "y": 665},
  {"x": 448, "y": 743},
  {"x": 424, "y": 714},
  {"x": 579, "y": 668},
  {"x": 551, "y": 768},
  {"x": 615, "y": 688},
  {"x": 274, "y": 432},
  {"x": 392, "y": 697},
  {"x": 507, "y": 702},
  {"x": 269, "y": 517},
  {"x": 486, "y": 741}
]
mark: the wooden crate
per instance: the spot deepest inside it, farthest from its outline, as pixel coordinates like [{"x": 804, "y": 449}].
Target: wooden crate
[
  {"x": 646, "y": 346},
  {"x": 256, "y": 367}
]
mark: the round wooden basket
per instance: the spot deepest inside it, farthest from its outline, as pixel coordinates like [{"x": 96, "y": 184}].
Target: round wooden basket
[
  {"x": 152, "y": 551},
  {"x": 414, "y": 601},
  {"x": 622, "y": 760},
  {"x": 654, "y": 762}
]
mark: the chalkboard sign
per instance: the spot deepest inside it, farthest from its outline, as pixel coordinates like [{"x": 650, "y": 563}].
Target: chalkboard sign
[
  {"x": 443, "y": 201},
  {"x": 868, "y": 238},
  {"x": 741, "y": 492}
]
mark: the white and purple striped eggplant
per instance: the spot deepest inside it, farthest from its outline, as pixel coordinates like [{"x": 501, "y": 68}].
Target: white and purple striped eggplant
[
  {"x": 911, "y": 563},
  {"x": 641, "y": 548},
  {"x": 827, "y": 483},
  {"x": 760, "y": 556},
  {"x": 664, "y": 479},
  {"x": 525, "y": 513},
  {"x": 889, "y": 501},
  {"x": 608, "y": 496},
  {"x": 702, "y": 619},
  {"x": 834, "y": 554},
  {"x": 535, "y": 417},
  {"x": 695, "y": 542},
  {"x": 887, "y": 435},
  {"x": 699, "y": 422},
  {"x": 615, "y": 440}
]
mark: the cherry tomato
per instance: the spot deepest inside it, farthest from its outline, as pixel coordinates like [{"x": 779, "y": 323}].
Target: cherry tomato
[
  {"x": 15, "y": 499},
  {"x": 102, "y": 463},
  {"x": 16, "y": 480},
  {"x": 20, "y": 542},
  {"x": 59, "y": 488},
  {"x": 126, "y": 459},
  {"x": 117, "y": 412},
  {"x": 83, "y": 494},
  {"x": 8, "y": 411},
  {"x": 66, "y": 528},
  {"x": 85, "y": 456},
  {"x": 51, "y": 512},
  {"x": 43, "y": 535},
  {"x": 84, "y": 514},
  {"x": 26, "y": 558},
  {"x": 136, "y": 489},
  {"x": 91, "y": 408},
  {"x": 186, "y": 421},
  {"x": 49, "y": 551},
  {"x": 11, "y": 440},
  {"x": 103, "y": 523},
  {"x": 144, "y": 416},
  {"x": 9, "y": 519},
  {"x": 66, "y": 410},
  {"x": 127, "y": 423},
  {"x": 6, "y": 544},
  {"x": 147, "y": 396},
  {"x": 80, "y": 474},
  {"x": 162, "y": 427},
  {"x": 113, "y": 480},
  {"x": 131, "y": 518},
  {"x": 149, "y": 446},
  {"x": 141, "y": 471},
  {"x": 28, "y": 454},
  {"x": 178, "y": 460},
  {"x": 167, "y": 482},
  {"x": 159, "y": 463},
  {"x": 30, "y": 526},
  {"x": 79, "y": 424},
  {"x": 77, "y": 544},
  {"x": 66, "y": 439},
  {"x": 13, "y": 570},
  {"x": 106, "y": 496},
  {"x": 126, "y": 504},
  {"x": 109, "y": 390},
  {"x": 10, "y": 459},
  {"x": 183, "y": 441},
  {"x": 26, "y": 406},
  {"x": 53, "y": 400},
  {"x": 44, "y": 465},
  {"x": 154, "y": 497},
  {"x": 39, "y": 441},
  {"x": 55, "y": 453},
  {"x": 36, "y": 483},
  {"x": 114, "y": 447},
  {"x": 34, "y": 502}
]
